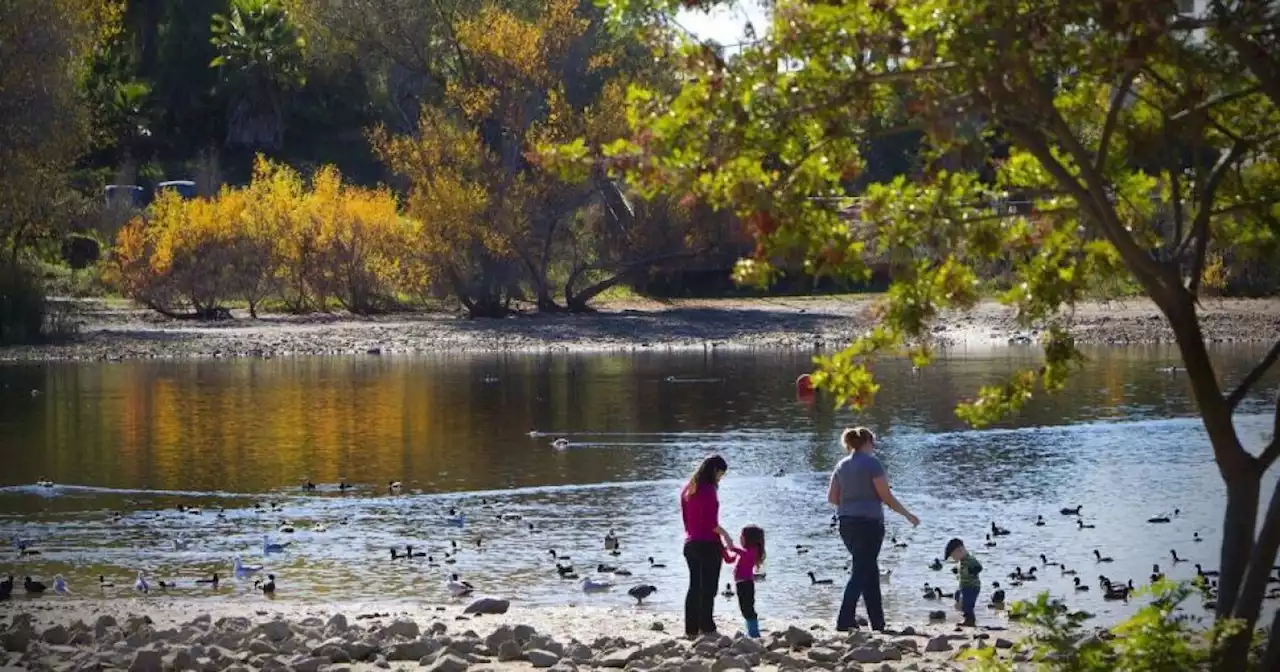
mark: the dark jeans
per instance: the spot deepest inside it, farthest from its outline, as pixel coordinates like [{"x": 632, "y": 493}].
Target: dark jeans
[
  {"x": 747, "y": 600},
  {"x": 704, "y": 559},
  {"x": 863, "y": 537},
  {"x": 969, "y": 601}
]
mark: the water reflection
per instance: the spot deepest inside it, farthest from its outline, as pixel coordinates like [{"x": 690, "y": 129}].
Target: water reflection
[{"x": 148, "y": 437}]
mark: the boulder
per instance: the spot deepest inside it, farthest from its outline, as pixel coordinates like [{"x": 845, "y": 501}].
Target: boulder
[
  {"x": 147, "y": 660},
  {"x": 361, "y": 650},
  {"x": 748, "y": 645},
  {"x": 891, "y": 653},
  {"x": 262, "y": 646},
  {"x": 403, "y": 629},
  {"x": 336, "y": 653},
  {"x": 1002, "y": 643},
  {"x": 337, "y": 624},
  {"x": 447, "y": 663},
  {"x": 937, "y": 644},
  {"x": 728, "y": 662},
  {"x": 310, "y": 664},
  {"x": 541, "y": 658},
  {"x": 498, "y": 636},
  {"x": 821, "y": 654},
  {"x": 908, "y": 632},
  {"x": 276, "y": 631},
  {"x": 414, "y": 650},
  {"x": 618, "y": 658},
  {"x": 488, "y": 605},
  {"x": 580, "y": 653},
  {"x": 56, "y": 635},
  {"x": 798, "y": 637},
  {"x": 509, "y": 650},
  {"x": 183, "y": 660}
]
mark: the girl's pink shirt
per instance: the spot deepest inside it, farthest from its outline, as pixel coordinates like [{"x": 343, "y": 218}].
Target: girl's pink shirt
[
  {"x": 745, "y": 570},
  {"x": 701, "y": 514}
]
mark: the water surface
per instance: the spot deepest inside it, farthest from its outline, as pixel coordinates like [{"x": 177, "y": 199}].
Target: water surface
[{"x": 129, "y": 443}]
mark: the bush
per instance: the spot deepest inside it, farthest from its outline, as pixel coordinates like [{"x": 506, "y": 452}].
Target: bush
[
  {"x": 22, "y": 306},
  {"x": 1161, "y": 637}
]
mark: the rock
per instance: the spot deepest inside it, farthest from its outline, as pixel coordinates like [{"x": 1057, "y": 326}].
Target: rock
[
  {"x": 414, "y": 650},
  {"x": 335, "y": 653},
  {"x": 183, "y": 660},
  {"x": 541, "y": 658},
  {"x": 822, "y": 654},
  {"x": 436, "y": 629},
  {"x": 524, "y": 633},
  {"x": 618, "y": 658},
  {"x": 276, "y": 631},
  {"x": 337, "y": 623},
  {"x": 498, "y": 637},
  {"x": 706, "y": 649},
  {"x": 56, "y": 635},
  {"x": 488, "y": 605},
  {"x": 908, "y": 632},
  {"x": 103, "y": 622},
  {"x": 1002, "y": 643},
  {"x": 310, "y": 664},
  {"x": 580, "y": 653},
  {"x": 262, "y": 646},
  {"x": 147, "y": 660},
  {"x": 937, "y": 644},
  {"x": 728, "y": 662},
  {"x": 509, "y": 650},
  {"x": 135, "y": 622},
  {"x": 798, "y": 638},
  {"x": 695, "y": 666},
  {"x": 447, "y": 663},
  {"x": 139, "y": 638},
  {"x": 403, "y": 629},
  {"x": 15, "y": 641},
  {"x": 891, "y": 653},
  {"x": 657, "y": 626},
  {"x": 381, "y": 663},
  {"x": 748, "y": 645}
]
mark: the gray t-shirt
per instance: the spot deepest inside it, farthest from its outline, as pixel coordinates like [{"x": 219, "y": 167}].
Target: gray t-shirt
[{"x": 858, "y": 497}]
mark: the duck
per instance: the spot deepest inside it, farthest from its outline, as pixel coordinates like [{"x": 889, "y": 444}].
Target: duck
[
  {"x": 610, "y": 541},
  {"x": 819, "y": 582},
  {"x": 590, "y": 585},
  {"x": 560, "y": 443},
  {"x": 1156, "y": 574},
  {"x": 211, "y": 581},
  {"x": 393, "y": 486},
  {"x": 6, "y": 588},
  {"x": 1045, "y": 561},
  {"x": 268, "y": 587},
  {"x": 308, "y": 486},
  {"x": 557, "y": 557},
  {"x": 1159, "y": 519},
  {"x": 1017, "y": 574},
  {"x": 1195, "y": 537},
  {"x": 141, "y": 584},
  {"x": 1205, "y": 572},
  {"x": 287, "y": 529},
  {"x": 1085, "y": 526},
  {"x": 1176, "y": 560},
  {"x": 44, "y": 483},
  {"x": 410, "y": 553},
  {"x": 606, "y": 569},
  {"x": 33, "y": 587},
  {"x": 1068, "y": 572},
  {"x": 458, "y": 588},
  {"x": 621, "y": 572},
  {"x": 103, "y": 583},
  {"x": 242, "y": 569},
  {"x": 641, "y": 592},
  {"x": 896, "y": 543},
  {"x": 565, "y": 570},
  {"x": 28, "y": 552},
  {"x": 931, "y": 593},
  {"x": 1100, "y": 557},
  {"x": 1080, "y": 587},
  {"x": 936, "y": 565},
  {"x": 1112, "y": 592},
  {"x": 1030, "y": 575},
  {"x": 937, "y": 616},
  {"x": 801, "y": 550},
  {"x": 395, "y": 554},
  {"x": 60, "y": 585},
  {"x": 989, "y": 543},
  {"x": 319, "y": 528},
  {"x": 727, "y": 593},
  {"x": 344, "y": 486},
  {"x": 997, "y": 597},
  {"x": 1040, "y": 521},
  {"x": 997, "y": 531},
  {"x": 655, "y": 565},
  {"x": 1071, "y": 512}
]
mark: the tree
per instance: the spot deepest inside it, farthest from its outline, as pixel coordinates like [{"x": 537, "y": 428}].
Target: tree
[
  {"x": 1144, "y": 137},
  {"x": 46, "y": 48},
  {"x": 260, "y": 54}
]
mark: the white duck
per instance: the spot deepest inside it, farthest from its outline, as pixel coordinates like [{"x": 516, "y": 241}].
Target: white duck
[
  {"x": 458, "y": 588},
  {"x": 60, "y": 585},
  {"x": 268, "y": 548},
  {"x": 560, "y": 443},
  {"x": 242, "y": 569},
  {"x": 590, "y": 585},
  {"x": 141, "y": 584}
]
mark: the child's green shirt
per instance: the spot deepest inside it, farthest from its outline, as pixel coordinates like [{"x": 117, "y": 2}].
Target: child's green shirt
[{"x": 969, "y": 569}]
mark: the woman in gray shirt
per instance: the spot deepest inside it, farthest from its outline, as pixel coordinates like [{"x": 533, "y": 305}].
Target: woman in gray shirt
[{"x": 859, "y": 490}]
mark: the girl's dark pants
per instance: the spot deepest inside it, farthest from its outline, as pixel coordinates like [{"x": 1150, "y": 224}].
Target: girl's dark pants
[
  {"x": 863, "y": 537},
  {"x": 704, "y": 559},
  {"x": 747, "y": 600}
]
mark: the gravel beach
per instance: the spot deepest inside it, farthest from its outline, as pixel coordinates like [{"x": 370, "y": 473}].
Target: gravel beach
[
  {"x": 157, "y": 635},
  {"x": 116, "y": 330}
]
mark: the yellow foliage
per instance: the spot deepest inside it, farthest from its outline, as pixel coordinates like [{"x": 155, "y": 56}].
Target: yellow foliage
[{"x": 274, "y": 238}]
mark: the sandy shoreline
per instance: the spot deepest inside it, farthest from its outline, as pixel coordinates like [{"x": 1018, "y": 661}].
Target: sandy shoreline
[
  {"x": 75, "y": 633},
  {"x": 115, "y": 331}
]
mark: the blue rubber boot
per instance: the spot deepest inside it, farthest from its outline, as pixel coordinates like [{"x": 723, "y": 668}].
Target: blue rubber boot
[{"x": 753, "y": 629}]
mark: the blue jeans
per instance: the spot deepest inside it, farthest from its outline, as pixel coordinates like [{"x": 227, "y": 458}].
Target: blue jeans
[
  {"x": 969, "y": 601},
  {"x": 863, "y": 537}
]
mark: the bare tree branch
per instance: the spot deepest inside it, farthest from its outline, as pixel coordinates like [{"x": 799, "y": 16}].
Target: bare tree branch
[
  {"x": 1272, "y": 451},
  {"x": 1242, "y": 390},
  {"x": 1118, "y": 97},
  {"x": 1214, "y": 101},
  {"x": 1200, "y": 225},
  {"x": 1249, "y": 598}
]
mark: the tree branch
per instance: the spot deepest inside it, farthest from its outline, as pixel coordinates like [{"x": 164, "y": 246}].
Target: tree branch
[
  {"x": 1237, "y": 395},
  {"x": 1118, "y": 97},
  {"x": 1272, "y": 451},
  {"x": 1214, "y": 101},
  {"x": 1200, "y": 225},
  {"x": 1249, "y": 600}
]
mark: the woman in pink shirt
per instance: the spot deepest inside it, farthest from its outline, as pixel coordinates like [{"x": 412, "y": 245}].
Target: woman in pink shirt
[{"x": 704, "y": 544}]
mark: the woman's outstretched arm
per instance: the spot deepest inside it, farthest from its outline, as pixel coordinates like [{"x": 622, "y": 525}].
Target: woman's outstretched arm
[{"x": 886, "y": 496}]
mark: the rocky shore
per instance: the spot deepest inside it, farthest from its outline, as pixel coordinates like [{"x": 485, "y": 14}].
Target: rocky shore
[
  {"x": 117, "y": 331},
  {"x": 99, "y": 636}
]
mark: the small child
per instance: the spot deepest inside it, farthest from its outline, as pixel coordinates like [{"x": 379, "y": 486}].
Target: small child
[
  {"x": 749, "y": 558},
  {"x": 970, "y": 584}
]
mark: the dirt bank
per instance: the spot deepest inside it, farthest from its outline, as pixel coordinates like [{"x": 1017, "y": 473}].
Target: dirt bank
[{"x": 116, "y": 331}]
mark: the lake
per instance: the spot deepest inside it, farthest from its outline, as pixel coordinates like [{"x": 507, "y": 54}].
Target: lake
[{"x": 129, "y": 443}]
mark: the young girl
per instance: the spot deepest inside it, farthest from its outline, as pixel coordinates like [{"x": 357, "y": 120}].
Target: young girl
[{"x": 749, "y": 558}]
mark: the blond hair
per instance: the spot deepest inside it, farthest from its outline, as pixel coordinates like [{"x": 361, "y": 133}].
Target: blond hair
[{"x": 856, "y": 438}]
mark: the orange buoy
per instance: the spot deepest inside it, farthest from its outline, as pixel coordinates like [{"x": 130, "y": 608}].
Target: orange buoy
[{"x": 804, "y": 386}]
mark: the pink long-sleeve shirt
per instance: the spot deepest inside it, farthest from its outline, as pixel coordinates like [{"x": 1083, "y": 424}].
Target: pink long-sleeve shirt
[
  {"x": 701, "y": 514},
  {"x": 745, "y": 570}
]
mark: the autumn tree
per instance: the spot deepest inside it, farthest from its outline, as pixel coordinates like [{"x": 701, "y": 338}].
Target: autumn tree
[{"x": 1143, "y": 136}]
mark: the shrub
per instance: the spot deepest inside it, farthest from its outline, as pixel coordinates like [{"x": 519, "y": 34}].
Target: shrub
[{"x": 22, "y": 306}]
